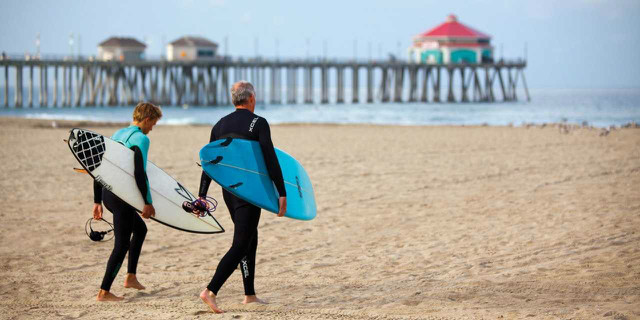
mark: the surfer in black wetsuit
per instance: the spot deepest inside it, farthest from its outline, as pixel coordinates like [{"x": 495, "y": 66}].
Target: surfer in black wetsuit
[
  {"x": 129, "y": 229},
  {"x": 243, "y": 124}
]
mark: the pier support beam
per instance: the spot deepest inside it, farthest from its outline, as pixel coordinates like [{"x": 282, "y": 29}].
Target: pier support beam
[
  {"x": 488, "y": 85},
  {"x": 369, "y": 84},
  {"x": 512, "y": 86},
  {"x": 505, "y": 97},
  {"x": 477, "y": 88},
  {"x": 41, "y": 91},
  {"x": 450, "y": 96},
  {"x": 68, "y": 86},
  {"x": 273, "y": 85},
  {"x": 524, "y": 83},
  {"x": 55, "y": 86},
  {"x": 384, "y": 89},
  {"x": 325, "y": 85},
  {"x": 399, "y": 84},
  {"x": 436, "y": 84},
  {"x": 291, "y": 85},
  {"x": 262, "y": 75},
  {"x": 294, "y": 84},
  {"x": 308, "y": 86},
  {"x": 425, "y": 84},
  {"x": 464, "y": 83},
  {"x": 340, "y": 75},
  {"x": 30, "y": 93},
  {"x": 18, "y": 87},
  {"x": 6, "y": 86},
  {"x": 355, "y": 92},
  {"x": 413, "y": 83}
]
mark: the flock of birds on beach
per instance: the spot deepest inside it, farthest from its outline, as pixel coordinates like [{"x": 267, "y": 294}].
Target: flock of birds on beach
[{"x": 566, "y": 128}]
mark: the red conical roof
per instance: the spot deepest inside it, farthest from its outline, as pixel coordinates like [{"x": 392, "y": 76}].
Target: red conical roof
[{"x": 453, "y": 29}]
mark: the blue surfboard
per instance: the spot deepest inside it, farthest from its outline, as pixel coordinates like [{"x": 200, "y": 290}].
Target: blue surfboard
[{"x": 238, "y": 166}]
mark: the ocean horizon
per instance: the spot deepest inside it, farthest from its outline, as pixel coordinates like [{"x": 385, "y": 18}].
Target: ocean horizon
[{"x": 593, "y": 107}]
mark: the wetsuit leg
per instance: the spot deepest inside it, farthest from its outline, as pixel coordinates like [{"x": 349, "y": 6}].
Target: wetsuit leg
[
  {"x": 248, "y": 267},
  {"x": 139, "y": 233},
  {"x": 123, "y": 227},
  {"x": 245, "y": 218}
]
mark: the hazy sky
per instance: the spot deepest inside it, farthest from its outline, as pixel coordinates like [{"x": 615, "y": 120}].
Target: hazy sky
[{"x": 570, "y": 43}]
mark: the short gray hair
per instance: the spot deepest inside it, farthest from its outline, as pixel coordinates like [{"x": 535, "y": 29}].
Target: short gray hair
[{"x": 241, "y": 91}]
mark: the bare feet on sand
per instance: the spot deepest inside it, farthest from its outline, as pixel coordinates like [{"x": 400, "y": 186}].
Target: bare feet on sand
[
  {"x": 210, "y": 299},
  {"x": 132, "y": 282},
  {"x": 253, "y": 299},
  {"x": 107, "y": 296}
]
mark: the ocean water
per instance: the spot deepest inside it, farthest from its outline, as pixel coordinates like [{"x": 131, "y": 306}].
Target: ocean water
[{"x": 597, "y": 107}]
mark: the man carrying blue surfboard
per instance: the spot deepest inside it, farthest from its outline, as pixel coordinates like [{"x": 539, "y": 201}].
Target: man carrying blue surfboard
[
  {"x": 129, "y": 229},
  {"x": 242, "y": 124}
]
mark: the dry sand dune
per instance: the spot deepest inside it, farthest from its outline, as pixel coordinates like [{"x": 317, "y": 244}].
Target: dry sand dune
[{"x": 413, "y": 223}]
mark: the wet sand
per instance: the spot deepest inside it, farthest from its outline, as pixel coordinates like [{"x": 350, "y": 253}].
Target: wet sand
[{"x": 413, "y": 223}]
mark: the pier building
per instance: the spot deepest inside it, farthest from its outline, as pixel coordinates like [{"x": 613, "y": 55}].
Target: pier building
[
  {"x": 191, "y": 48},
  {"x": 451, "y": 42},
  {"x": 121, "y": 49}
]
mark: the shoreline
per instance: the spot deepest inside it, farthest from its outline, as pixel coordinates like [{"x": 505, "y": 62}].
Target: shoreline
[{"x": 55, "y": 123}]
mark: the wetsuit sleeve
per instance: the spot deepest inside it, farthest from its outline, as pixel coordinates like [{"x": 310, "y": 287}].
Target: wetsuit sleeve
[
  {"x": 270, "y": 159},
  {"x": 140, "y": 175},
  {"x": 97, "y": 192},
  {"x": 205, "y": 180}
]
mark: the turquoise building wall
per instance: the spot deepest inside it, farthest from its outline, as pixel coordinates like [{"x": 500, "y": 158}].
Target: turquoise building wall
[
  {"x": 460, "y": 56},
  {"x": 437, "y": 56}
]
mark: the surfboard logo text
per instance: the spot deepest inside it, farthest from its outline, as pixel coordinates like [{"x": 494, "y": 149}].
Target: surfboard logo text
[
  {"x": 104, "y": 184},
  {"x": 253, "y": 123}
]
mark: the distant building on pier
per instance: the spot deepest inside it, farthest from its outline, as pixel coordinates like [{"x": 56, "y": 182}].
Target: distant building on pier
[
  {"x": 451, "y": 42},
  {"x": 190, "y": 48},
  {"x": 121, "y": 49}
]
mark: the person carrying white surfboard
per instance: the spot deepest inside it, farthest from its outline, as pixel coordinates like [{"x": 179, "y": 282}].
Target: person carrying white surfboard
[
  {"x": 129, "y": 229},
  {"x": 243, "y": 124}
]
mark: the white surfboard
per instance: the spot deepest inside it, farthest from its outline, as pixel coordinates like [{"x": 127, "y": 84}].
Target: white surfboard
[{"x": 111, "y": 164}]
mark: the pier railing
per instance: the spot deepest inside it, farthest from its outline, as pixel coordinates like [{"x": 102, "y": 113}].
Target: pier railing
[{"x": 83, "y": 82}]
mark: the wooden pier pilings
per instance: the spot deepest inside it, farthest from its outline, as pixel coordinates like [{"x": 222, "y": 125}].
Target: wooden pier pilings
[{"x": 111, "y": 83}]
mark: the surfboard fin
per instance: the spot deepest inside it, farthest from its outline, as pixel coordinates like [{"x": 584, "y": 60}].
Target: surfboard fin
[
  {"x": 227, "y": 142},
  {"x": 216, "y": 160},
  {"x": 65, "y": 140},
  {"x": 199, "y": 165},
  {"x": 233, "y": 186},
  {"x": 79, "y": 170}
]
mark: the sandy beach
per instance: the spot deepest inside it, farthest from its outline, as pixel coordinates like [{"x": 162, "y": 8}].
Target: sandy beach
[{"x": 413, "y": 223}]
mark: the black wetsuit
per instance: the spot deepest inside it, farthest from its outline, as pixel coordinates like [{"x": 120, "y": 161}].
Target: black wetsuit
[
  {"x": 126, "y": 222},
  {"x": 243, "y": 124}
]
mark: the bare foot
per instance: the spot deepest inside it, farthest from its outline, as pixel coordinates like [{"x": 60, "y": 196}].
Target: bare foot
[
  {"x": 253, "y": 299},
  {"x": 107, "y": 296},
  {"x": 132, "y": 282},
  {"x": 210, "y": 299}
]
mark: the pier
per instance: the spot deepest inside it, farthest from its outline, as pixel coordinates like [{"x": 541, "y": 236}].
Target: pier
[{"x": 80, "y": 83}]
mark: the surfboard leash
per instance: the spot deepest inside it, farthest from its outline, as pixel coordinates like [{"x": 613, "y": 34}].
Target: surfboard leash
[
  {"x": 97, "y": 235},
  {"x": 201, "y": 207}
]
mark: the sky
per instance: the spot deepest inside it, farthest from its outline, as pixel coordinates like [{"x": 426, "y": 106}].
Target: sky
[{"x": 567, "y": 43}]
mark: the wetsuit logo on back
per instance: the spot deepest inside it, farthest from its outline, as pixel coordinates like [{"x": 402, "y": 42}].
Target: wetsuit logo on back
[{"x": 253, "y": 123}]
